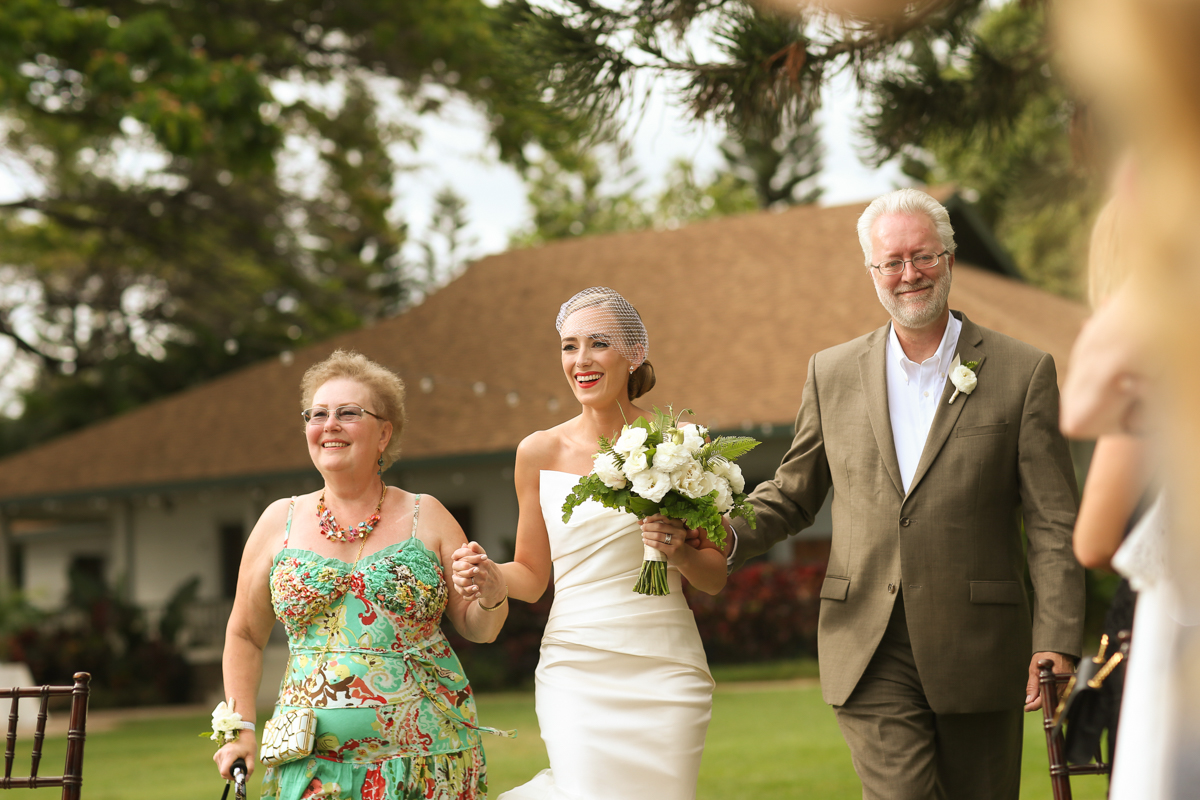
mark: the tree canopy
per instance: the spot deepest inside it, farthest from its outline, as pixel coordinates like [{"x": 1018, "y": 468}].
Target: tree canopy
[
  {"x": 202, "y": 184},
  {"x": 963, "y": 91}
]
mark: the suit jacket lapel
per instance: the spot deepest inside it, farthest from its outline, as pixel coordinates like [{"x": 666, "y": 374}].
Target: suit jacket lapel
[
  {"x": 872, "y": 370},
  {"x": 947, "y": 413}
]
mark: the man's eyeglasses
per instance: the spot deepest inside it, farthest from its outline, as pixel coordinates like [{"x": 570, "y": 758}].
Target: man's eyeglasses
[
  {"x": 921, "y": 262},
  {"x": 343, "y": 414}
]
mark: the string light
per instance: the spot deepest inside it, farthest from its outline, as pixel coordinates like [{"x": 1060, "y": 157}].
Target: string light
[{"x": 512, "y": 398}]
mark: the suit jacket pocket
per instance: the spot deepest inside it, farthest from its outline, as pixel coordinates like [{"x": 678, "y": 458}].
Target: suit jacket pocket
[
  {"x": 835, "y": 588},
  {"x": 982, "y": 430},
  {"x": 1006, "y": 592}
]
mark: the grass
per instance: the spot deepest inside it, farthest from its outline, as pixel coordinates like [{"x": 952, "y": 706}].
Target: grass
[{"x": 767, "y": 741}]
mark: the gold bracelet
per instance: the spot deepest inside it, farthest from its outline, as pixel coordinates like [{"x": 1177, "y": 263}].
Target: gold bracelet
[{"x": 493, "y": 608}]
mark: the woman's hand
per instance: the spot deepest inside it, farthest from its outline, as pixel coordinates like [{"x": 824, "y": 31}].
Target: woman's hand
[
  {"x": 242, "y": 747},
  {"x": 668, "y": 535},
  {"x": 1110, "y": 380},
  {"x": 477, "y": 577}
]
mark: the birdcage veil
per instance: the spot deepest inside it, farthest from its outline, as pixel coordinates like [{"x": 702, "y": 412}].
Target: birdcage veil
[{"x": 603, "y": 314}]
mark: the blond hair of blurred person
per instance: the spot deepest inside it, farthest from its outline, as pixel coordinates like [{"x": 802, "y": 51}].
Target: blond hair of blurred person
[{"x": 1116, "y": 479}]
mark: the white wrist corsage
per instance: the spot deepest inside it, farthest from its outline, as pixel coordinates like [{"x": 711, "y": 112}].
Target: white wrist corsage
[
  {"x": 963, "y": 377},
  {"x": 226, "y": 724}
]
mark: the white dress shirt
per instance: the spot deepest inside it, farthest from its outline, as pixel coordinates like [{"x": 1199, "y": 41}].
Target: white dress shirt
[{"x": 914, "y": 391}]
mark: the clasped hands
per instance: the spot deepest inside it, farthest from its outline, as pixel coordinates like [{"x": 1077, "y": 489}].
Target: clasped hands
[{"x": 477, "y": 577}]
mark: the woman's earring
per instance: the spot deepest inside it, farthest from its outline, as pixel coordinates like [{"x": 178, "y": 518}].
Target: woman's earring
[{"x": 380, "y": 462}]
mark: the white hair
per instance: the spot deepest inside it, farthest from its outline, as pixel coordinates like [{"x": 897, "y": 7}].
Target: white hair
[{"x": 906, "y": 201}]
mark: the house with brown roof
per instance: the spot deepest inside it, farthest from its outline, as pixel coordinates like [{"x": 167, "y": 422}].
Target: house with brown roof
[{"x": 734, "y": 308}]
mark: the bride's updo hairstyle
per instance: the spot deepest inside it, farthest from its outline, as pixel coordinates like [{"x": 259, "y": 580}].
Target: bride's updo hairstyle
[{"x": 602, "y": 314}]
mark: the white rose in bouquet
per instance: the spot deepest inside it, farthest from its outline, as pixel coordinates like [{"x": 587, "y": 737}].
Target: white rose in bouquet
[
  {"x": 689, "y": 479},
  {"x": 693, "y": 436},
  {"x": 669, "y": 456},
  {"x": 724, "y": 500},
  {"x": 607, "y": 470},
  {"x": 652, "y": 484},
  {"x": 631, "y": 438},
  {"x": 636, "y": 462},
  {"x": 732, "y": 473}
]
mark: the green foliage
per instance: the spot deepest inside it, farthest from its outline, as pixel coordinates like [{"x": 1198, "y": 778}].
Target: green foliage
[
  {"x": 573, "y": 195},
  {"x": 652, "y": 580},
  {"x": 963, "y": 91},
  {"x": 728, "y": 448},
  {"x": 989, "y": 114},
  {"x": 206, "y": 184},
  {"x": 101, "y": 632}
]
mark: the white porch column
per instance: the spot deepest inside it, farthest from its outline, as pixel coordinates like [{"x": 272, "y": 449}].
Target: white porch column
[{"x": 123, "y": 548}]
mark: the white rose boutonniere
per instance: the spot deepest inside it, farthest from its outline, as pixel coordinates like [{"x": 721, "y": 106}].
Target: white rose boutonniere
[{"x": 963, "y": 377}]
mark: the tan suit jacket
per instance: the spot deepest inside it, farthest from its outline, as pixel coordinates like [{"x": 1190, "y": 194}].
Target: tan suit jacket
[{"x": 953, "y": 542}]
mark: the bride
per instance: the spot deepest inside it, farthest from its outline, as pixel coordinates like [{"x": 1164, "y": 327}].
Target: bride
[{"x": 623, "y": 691}]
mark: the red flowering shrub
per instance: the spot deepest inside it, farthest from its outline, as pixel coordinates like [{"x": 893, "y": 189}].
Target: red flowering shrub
[{"x": 766, "y": 611}]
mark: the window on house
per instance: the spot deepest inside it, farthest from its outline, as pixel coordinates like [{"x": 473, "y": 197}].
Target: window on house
[
  {"x": 18, "y": 566},
  {"x": 85, "y": 581},
  {"x": 462, "y": 515},
  {"x": 232, "y": 540}
]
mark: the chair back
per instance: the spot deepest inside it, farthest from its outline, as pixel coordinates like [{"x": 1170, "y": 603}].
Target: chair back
[
  {"x": 1061, "y": 771},
  {"x": 71, "y": 780}
]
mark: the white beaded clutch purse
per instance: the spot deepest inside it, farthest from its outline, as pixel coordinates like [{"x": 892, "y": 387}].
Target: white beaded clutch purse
[{"x": 288, "y": 736}]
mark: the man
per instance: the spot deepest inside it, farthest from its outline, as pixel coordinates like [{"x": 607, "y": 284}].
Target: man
[{"x": 926, "y": 645}]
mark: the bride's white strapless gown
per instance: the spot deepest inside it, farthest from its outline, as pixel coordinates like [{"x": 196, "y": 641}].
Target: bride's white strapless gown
[{"x": 623, "y": 691}]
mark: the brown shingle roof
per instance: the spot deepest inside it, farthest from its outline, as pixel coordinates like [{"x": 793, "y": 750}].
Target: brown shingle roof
[{"x": 734, "y": 308}]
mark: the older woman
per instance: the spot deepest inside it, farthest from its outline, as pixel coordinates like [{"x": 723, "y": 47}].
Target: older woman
[{"x": 356, "y": 573}]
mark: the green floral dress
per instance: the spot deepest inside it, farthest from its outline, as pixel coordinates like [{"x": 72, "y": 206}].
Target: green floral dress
[{"x": 395, "y": 716}]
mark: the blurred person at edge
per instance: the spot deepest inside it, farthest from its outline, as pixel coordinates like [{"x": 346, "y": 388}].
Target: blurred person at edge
[
  {"x": 1136, "y": 365},
  {"x": 1117, "y": 476},
  {"x": 375, "y": 593},
  {"x": 1110, "y": 534}
]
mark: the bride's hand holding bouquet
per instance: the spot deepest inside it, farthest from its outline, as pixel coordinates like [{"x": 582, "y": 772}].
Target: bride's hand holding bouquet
[{"x": 661, "y": 470}]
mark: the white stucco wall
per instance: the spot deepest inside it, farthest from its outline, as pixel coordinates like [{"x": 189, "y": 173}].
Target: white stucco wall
[{"x": 48, "y": 557}]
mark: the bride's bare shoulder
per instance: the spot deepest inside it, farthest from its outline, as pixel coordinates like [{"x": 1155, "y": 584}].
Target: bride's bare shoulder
[{"x": 540, "y": 449}]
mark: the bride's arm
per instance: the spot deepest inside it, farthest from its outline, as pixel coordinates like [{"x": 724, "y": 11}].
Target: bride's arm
[{"x": 528, "y": 574}]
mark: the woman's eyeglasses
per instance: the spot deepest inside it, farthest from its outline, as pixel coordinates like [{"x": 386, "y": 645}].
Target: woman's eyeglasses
[{"x": 343, "y": 414}]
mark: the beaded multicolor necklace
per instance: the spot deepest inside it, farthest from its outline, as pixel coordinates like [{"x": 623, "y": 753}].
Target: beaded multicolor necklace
[{"x": 336, "y": 533}]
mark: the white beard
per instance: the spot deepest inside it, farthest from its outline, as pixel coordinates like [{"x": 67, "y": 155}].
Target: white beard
[{"x": 916, "y": 313}]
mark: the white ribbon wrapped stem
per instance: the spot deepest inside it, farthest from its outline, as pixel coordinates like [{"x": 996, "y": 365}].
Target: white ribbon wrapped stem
[{"x": 653, "y": 554}]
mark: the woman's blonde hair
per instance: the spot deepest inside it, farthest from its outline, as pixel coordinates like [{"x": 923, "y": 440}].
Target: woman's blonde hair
[
  {"x": 385, "y": 387},
  {"x": 1108, "y": 266}
]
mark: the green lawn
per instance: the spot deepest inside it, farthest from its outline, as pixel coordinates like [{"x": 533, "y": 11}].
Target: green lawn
[{"x": 766, "y": 741}]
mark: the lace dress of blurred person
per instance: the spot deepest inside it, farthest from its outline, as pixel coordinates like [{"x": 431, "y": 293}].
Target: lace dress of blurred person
[
  {"x": 362, "y": 603},
  {"x": 623, "y": 692}
]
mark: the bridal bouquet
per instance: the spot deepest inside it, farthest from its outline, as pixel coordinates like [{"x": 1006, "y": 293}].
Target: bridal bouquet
[{"x": 661, "y": 466}]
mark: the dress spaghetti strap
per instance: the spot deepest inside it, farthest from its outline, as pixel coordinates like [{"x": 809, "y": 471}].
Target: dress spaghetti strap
[
  {"x": 416, "y": 514},
  {"x": 287, "y": 530}
]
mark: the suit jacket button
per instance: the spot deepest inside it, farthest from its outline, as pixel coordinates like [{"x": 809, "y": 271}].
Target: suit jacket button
[
  {"x": 891, "y": 588},
  {"x": 906, "y": 522}
]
